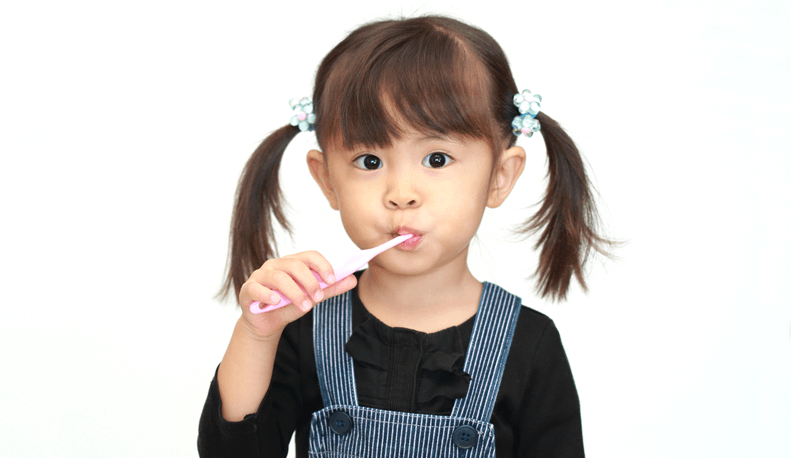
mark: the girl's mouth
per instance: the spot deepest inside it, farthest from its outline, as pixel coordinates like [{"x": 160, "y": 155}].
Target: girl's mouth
[{"x": 411, "y": 243}]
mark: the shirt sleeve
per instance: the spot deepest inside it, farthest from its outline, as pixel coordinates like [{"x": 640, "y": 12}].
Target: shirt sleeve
[
  {"x": 267, "y": 432},
  {"x": 550, "y": 415}
]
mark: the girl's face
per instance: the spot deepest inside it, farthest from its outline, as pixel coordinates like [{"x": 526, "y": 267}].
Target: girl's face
[{"x": 433, "y": 187}]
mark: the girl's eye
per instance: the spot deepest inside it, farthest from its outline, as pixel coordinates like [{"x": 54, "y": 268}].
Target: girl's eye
[
  {"x": 368, "y": 162},
  {"x": 437, "y": 160}
]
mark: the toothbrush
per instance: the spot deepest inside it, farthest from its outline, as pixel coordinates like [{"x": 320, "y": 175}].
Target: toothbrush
[{"x": 342, "y": 271}]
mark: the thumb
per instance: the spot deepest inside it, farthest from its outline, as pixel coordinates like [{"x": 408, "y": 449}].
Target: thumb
[{"x": 340, "y": 287}]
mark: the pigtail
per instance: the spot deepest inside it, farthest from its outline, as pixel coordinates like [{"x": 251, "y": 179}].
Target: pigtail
[
  {"x": 258, "y": 198},
  {"x": 567, "y": 215}
]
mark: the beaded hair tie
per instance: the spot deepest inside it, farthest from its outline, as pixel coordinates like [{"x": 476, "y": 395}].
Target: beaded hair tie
[
  {"x": 304, "y": 118},
  {"x": 529, "y": 105}
]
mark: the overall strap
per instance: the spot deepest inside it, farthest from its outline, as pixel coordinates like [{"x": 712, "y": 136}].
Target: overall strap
[
  {"x": 488, "y": 351},
  {"x": 332, "y": 326}
]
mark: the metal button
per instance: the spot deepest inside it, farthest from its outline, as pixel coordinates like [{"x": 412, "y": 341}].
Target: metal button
[
  {"x": 340, "y": 422},
  {"x": 465, "y": 436}
]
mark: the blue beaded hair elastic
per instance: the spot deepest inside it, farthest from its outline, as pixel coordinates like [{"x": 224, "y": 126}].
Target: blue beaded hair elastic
[
  {"x": 529, "y": 105},
  {"x": 304, "y": 118}
]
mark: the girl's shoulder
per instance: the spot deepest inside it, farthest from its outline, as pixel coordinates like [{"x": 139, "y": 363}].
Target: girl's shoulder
[
  {"x": 532, "y": 327},
  {"x": 536, "y": 348},
  {"x": 531, "y": 320}
]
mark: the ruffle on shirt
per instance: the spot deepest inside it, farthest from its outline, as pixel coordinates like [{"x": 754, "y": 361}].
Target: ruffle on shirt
[{"x": 440, "y": 376}]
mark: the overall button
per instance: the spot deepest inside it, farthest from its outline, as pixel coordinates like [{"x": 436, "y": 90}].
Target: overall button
[
  {"x": 465, "y": 436},
  {"x": 340, "y": 423}
]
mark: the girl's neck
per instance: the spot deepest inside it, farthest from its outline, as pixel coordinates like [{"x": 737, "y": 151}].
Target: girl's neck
[{"x": 429, "y": 302}]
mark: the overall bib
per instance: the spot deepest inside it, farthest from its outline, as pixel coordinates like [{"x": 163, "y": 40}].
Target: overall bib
[{"x": 344, "y": 429}]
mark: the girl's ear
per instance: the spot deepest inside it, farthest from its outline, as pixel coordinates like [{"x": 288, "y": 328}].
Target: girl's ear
[
  {"x": 317, "y": 163},
  {"x": 508, "y": 170}
]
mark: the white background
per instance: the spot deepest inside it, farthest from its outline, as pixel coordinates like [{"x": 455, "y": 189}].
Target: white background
[{"x": 124, "y": 128}]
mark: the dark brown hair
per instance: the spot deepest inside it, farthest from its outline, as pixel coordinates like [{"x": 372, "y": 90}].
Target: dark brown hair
[{"x": 435, "y": 75}]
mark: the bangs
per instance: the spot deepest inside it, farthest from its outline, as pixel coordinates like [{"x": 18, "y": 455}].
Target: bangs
[{"x": 387, "y": 82}]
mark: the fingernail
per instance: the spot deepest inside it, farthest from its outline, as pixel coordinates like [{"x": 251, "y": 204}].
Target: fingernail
[
  {"x": 331, "y": 278},
  {"x": 306, "y": 305},
  {"x": 275, "y": 298},
  {"x": 318, "y": 296}
]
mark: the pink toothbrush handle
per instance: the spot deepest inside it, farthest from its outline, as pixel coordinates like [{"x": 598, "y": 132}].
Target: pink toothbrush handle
[{"x": 255, "y": 307}]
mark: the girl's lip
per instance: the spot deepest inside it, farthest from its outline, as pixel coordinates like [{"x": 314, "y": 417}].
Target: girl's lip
[
  {"x": 402, "y": 230},
  {"x": 412, "y": 242}
]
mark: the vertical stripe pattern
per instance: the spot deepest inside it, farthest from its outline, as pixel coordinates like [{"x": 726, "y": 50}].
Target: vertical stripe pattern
[
  {"x": 384, "y": 434},
  {"x": 488, "y": 351},
  {"x": 332, "y": 326}
]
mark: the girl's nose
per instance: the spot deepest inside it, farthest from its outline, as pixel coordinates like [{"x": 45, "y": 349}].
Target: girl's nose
[
  {"x": 402, "y": 203},
  {"x": 402, "y": 194}
]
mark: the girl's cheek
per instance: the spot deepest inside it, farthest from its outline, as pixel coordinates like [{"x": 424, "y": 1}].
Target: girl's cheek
[
  {"x": 358, "y": 209},
  {"x": 365, "y": 198}
]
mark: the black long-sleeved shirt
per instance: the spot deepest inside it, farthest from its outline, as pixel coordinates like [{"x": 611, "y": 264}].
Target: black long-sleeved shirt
[{"x": 536, "y": 412}]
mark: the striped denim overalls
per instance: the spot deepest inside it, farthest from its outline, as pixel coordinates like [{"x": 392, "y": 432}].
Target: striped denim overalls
[{"x": 344, "y": 429}]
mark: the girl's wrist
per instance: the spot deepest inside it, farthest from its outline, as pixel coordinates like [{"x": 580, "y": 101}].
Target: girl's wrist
[{"x": 252, "y": 334}]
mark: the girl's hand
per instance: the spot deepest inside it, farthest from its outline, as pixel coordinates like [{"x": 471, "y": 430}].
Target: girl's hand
[{"x": 292, "y": 277}]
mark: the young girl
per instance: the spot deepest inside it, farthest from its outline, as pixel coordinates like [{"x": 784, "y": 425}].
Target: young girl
[{"x": 417, "y": 121}]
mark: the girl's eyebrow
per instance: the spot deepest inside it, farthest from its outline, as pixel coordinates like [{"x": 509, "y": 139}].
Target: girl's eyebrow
[
  {"x": 432, "y": 136},
  {"x": 435, "y": 136}
]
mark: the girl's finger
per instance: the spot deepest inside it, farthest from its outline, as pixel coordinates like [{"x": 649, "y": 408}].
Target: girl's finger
[
  {"x": 292, "y": 279},
  {"x": 305, "y": 275},
  {"x": 341, "y": 287},
  {"x": 316, "y": 262},
  {"x": 291, "y": 313},
  {"x": 262, "y": 294}
]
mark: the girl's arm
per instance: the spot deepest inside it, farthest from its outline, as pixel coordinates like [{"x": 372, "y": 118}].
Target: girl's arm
[
  {"x": 246, "y": 369},
  {"x": 231, "y": 424},
  {"x": 267, "y": 431},
  {"x": 550, "y": 424}
]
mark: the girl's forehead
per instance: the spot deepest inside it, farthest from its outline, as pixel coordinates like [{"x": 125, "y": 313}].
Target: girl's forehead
[{"x": 394, "y": 121}]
